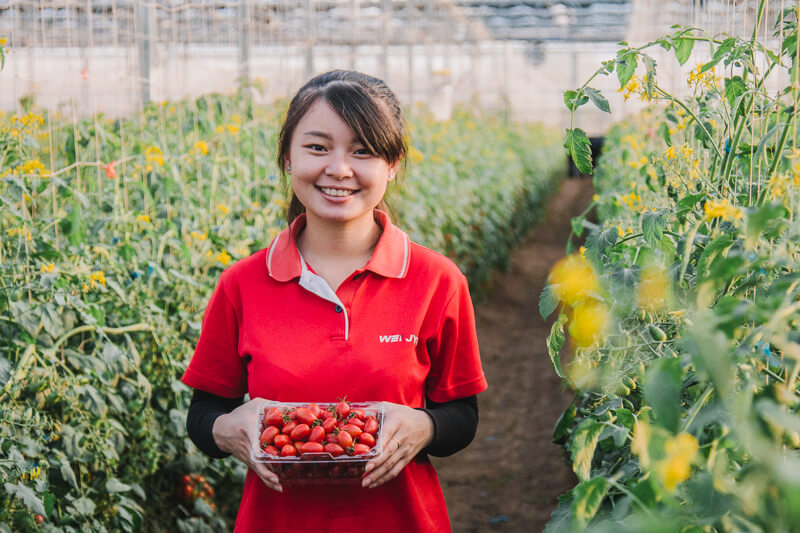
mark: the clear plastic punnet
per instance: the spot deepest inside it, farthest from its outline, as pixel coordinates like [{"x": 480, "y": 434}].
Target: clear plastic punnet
[{"x": 310, "y": 443}]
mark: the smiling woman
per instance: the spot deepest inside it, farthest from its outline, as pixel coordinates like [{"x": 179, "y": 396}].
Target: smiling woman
[{"x": 317, "y": 316}]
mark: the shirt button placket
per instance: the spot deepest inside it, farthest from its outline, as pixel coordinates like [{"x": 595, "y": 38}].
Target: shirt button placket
[{"x": 338, "y": 308}]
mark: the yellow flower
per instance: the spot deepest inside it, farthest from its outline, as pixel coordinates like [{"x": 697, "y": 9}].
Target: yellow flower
[
  {"x": 32, "y": 167},
  {"x": 588, "y": 322},
  {"x": 153, "y": 155},
  {"x": 654, "y": 287},
  {"x": 573, "y": 280},
  {"x": 232, "y": 128},
  {"x": 631, "y": 87},
  {"x": 223, "y": 257},
  {"x": 222, "y": 208},
  {"x": 144, "y": 219},
  {"x": 721, "y": 209},
  {"x": 582, "y": 250},
  {"x": 595, "y": 197},
  {"x": 676, "y": 468},
  {"x": 47, "y": 267},
  {"x": 97, "y": 278},
  {"x": 3, "y": 41},
  {"x": 414, "y": 155},
  {"x": 196, "y": 235},
  {"x": 669, "y": 153},
  {"x": 201, "y": 147}
]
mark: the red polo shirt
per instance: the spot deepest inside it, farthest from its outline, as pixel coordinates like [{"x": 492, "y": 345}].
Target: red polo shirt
[{"x": 399, "y": 329}]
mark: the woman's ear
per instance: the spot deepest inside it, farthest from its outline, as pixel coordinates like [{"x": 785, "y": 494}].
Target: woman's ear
[
  {"x": 287, "y": 165},
  {"x": 393, "y": 170}
]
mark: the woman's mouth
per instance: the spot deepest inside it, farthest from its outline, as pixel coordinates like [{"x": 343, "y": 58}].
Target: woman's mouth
[{"x": 336, "y": 192}]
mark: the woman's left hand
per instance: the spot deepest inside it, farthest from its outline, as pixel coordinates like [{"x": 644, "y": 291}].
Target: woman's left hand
[{"x": 406, "y": 431}]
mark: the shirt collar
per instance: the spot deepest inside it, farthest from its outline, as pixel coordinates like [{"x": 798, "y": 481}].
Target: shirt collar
[{"x": 389, "y": 259}]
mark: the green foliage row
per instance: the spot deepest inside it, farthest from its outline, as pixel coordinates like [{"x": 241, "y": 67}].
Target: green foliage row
[
  {"x": 113, "y": 233},
  {"x": 686, "y": 409}
]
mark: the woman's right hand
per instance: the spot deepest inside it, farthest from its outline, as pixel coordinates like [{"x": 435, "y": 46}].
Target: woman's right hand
[{"x": 234, "y": 434}]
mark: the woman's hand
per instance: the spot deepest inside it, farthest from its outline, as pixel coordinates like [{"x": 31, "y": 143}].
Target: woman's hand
[
  {"x": 406, "y": 432},
  {"x": 234, "y": 434}
]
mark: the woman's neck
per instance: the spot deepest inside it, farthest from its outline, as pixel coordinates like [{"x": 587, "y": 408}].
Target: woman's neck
[{"x": 336, "y": 250}]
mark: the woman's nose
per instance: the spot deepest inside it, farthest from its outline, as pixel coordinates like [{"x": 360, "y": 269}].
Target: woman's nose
[{"x": 338, "y": 167}]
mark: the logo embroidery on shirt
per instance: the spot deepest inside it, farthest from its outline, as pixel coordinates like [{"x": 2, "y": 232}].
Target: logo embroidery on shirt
[{"x": 398, "y": 338}]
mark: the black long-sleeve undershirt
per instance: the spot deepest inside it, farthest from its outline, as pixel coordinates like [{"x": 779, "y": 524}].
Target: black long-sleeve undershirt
[{"x": 454, "y": 423}]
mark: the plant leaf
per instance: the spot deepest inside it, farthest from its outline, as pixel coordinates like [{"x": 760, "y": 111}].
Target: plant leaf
[
  {"x": 598, "y": 99},
  {"x": 582, "y": 447},
  {"x": 547, "y": 302},
  {"x": 683, "y": 49},
  {"x": 27, "y": 496},
  {"x": 653, "y": 223},
  {"x": 587, "y": 497},
  {"x": 554, "y": 343},
  {"x": 579, "y": 148}
]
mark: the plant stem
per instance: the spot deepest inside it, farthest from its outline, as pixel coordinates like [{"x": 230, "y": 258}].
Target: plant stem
[{"x": 696, "y": 407}]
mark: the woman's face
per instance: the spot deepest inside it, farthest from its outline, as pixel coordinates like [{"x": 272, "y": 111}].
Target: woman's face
[{"x": 333, "y": 175}]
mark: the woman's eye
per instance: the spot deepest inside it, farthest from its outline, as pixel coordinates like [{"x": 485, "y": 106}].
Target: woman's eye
[
  {"x": 362, "y": 151},
  {"x": 315, "y": 147}
]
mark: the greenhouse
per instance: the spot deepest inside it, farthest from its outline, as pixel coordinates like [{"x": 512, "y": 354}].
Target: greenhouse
[{"x": 424, "y": 265}]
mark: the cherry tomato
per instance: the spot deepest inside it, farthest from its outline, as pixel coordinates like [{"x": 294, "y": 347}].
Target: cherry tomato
[
  {"x": 268, "y": 435},
  {"x": 315, "y": 409},
  {"x": 360, "y": 449},
  {"x": 274, "y": 417},
  {"x": 331, "y": 437},
  {"x": 304, "y": 416},
  {"x": 313, "y": 447},
  {"x": 370, "y": 425},
  {"x": 288, "y": 451},
  {"x": 317, "y": 434},
  {"x": 300, "y": 432},
  {"x": 39, "y": 518},
  {"x": 326, "y": 414},
  {"x": 334, "y": 449},
  {"x": 354, "y": 430},
  {"x": 368, "y": 439},
  {"x": 288, "y": 427},
  {"x": 356, "y": 422},
  {"x": 185, "y": 479},
  {"x": 281, "y": 441},
  {"x": 329, "y": 424},
  {"x": 342, "y": 410},
  {"x": 186, "y": 493},
  {"x": 359, "y": 413},
  {"x": 298, "y": 445},
  {"x": 345, "y": 439},
  {"x": 272, "y": 450},
  {"x": 111, "y": 172}
]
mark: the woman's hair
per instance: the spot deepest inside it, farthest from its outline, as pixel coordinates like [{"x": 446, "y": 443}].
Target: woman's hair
[{"x": 366, "y": 105}]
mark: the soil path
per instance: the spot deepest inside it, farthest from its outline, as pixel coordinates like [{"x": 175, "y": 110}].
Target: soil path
[{"x": 508, "y": 479}]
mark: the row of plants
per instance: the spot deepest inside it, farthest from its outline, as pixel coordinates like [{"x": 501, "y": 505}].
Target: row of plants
[
  {"x": 682, "y": 309},
  {"x": 113, "y": 232}
]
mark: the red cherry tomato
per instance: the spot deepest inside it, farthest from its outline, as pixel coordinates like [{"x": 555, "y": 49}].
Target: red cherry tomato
[
  {"x": 315, "y": 409},
  {"x": 331, "y": 437},
  {"x": 300, "y": 432},
  {"x": 288, "y": 427},
  {"x": 334, "y": 449},
  {"x": 317, "y": 434},
  {"x": 111, "y": 172},
  {"x": 298, "y": 445},
  {"x": 358, "y": 413},
  {"x": 313, "y": 447},
  {"x": 342, "y": 410},
  {"x": 304, "y": 416},
  {"x": 288, "y": 451},
  {"x": 281, "y": 441},
  {"x": 345, "y": 439},
  {"x": 329, "y": 424},
  {"x": 356, "y": 422},
  {"x": 274, "y": 417},
  {"x": 354, "y": 430},
  {"x": 272, "y": 450},
  {"x": 370, "y": 425},
  {"x": 360, "y": 449},
  {"x": 326, "y": 414},
  {"x": 268, "y": 435},
  {"x": 368, "y": 439}
]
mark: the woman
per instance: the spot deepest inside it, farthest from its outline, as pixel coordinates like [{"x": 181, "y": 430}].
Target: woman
[{"x": 341, "y": 304}]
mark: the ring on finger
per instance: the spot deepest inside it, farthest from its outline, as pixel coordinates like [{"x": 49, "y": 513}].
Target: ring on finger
[{"x": 396, "y": 442}]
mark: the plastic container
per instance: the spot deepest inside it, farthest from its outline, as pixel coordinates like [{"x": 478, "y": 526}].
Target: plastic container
[{"x": 318, "y": 468}]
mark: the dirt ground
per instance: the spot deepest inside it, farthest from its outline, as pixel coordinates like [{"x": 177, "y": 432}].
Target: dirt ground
[{"x": 508, "y": 479}]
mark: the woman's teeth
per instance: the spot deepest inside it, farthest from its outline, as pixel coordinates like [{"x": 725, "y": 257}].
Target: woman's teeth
[{"x": 336, "y": 192}]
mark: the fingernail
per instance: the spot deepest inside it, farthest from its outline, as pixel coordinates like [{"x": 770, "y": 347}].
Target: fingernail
[
  {"x": 368, "y": 468},
  {"x": 366, "y": 483}
]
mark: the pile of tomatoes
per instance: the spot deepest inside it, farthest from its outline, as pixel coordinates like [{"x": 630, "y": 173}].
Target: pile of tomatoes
[
  {"x": 194, "y": 486},
  {"x": 336, "y": 429}
]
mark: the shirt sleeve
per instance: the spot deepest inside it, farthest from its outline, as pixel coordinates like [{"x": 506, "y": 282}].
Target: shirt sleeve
[
  {"x": 216, "y": 366},
  {"x": 456, "y": 370}
]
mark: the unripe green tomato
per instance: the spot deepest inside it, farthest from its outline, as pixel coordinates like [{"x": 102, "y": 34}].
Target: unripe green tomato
[{"x": 656, "y": 333}]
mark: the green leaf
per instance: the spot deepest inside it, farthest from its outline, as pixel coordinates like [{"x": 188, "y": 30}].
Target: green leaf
[
  {"x": 582, "y": 447},
  {"x": 599, "y": 241},
  {"x": 711, "y": 355},
  {"x": 598, "y": 99},
  {"x": 83, "y": 506},
  {"x": 734, "y": 88},
  {"x": 561, "y": 518},
  {"x": 579, "y": 148},
  {"x": 662, "y": 391},
  {"x": 564, "y": 424},
  {"x": 712, "y": 250},
  {"x": 554, "y": 343},
  {"x": 653, "y": 224},
  {"x": 626, "y": 66},
  {"x": 683, "y": 49},
  {"x": 115, "y": 485},
  {"x": 587, "y": 497},
  {"x": 762, "y": 219},
  {"x": 27, "y": 496},
  {"x": 574, "y": 99},
  {"x": 547, "y": 301},
  {"x": 650, "y": 71}
]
